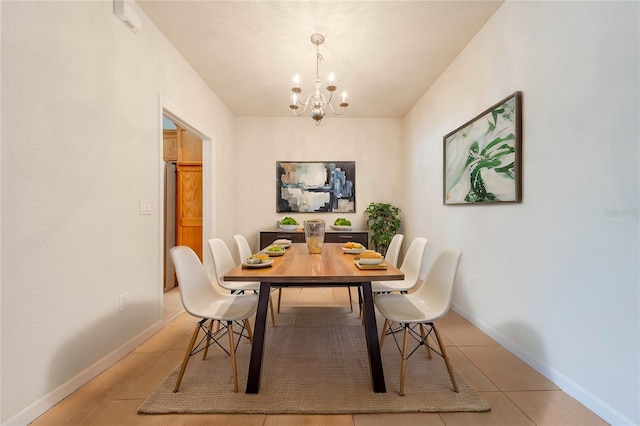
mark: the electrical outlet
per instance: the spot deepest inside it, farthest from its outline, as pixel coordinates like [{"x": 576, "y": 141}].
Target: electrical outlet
[
  {"x": 472, "y": 282},
  {"x": 123, "y": 302}
]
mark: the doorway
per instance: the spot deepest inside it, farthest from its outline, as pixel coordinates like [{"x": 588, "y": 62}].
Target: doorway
[{"x": 183, "y": 194}]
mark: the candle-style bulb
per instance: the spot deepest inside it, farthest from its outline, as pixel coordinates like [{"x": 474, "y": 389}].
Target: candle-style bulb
[
  {"x": 344, "y": 97},
  {"x": 331, "y": 78},
  {"x": 296, "y": 79}
]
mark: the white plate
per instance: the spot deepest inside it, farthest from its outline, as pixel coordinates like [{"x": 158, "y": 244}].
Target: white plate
[
  {"x": 352, "y": 250},
  {"x": 283, "y": 243},
  {"x": 264, "y": 264},
  {"x": 288, "y": 227},
  {"x": 274, "y": 253},
  {"x": 369, "y": 261},
  {"x": 341, "y": 228}
]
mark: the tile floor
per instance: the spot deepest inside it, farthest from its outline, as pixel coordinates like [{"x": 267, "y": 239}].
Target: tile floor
[{"x": 518, "y": 395}]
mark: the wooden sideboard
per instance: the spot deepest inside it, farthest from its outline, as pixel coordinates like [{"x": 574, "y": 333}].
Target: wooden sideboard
[{"x": 330, "y": 236}]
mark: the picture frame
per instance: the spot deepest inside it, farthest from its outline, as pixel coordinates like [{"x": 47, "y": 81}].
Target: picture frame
[
  {"x": 316, "y": 186},
  {"x": 482, "y": 159}
]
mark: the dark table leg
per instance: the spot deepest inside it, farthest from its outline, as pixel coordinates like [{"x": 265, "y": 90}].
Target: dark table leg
[
  {"x": 373, "y": 344},
  {"x": 257, "y": 349}
]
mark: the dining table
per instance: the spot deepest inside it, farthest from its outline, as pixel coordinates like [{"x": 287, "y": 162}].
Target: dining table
[{"x": 334, "y": 266}]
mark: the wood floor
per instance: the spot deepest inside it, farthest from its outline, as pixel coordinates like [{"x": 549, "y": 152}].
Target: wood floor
[{"x": 518, "y": 395}]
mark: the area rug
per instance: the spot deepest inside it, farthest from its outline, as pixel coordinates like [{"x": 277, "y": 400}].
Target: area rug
[{"x": 315, "y": 362}]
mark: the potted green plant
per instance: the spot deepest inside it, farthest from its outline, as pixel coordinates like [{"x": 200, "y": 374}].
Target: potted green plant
[{"x": 385, "y": 222}]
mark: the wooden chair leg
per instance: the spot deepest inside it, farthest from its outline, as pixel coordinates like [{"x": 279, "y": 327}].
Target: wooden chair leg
[
  {"x": 361, "y": 303},
  {"x": 424, "y": 339},
  {"x": 273, "y": 317},
  {"x": 446, "y": 359},
  {"x": 206, "y": 348},
  {"x": 403, "y": 364},
  {"x": 385, "y": 327},
  {"x": 350, "y": 300},
  {"x": 187, "y": 355},
  {"x": 232, "y": 352},
  {"x": 279, "y": 298},
  {"x": 248, "y": 327}
]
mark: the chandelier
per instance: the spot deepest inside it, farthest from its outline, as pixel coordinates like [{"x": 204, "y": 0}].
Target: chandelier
[{"x": 317, "y": 102}]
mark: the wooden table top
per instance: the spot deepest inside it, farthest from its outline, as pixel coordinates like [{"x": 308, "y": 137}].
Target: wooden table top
[{"x": 298, "y": 266}]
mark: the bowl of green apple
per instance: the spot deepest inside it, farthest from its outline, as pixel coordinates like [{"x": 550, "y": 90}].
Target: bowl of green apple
[
  {"x": 288, "y": 224},
  {"x": 341, "y": 224}
]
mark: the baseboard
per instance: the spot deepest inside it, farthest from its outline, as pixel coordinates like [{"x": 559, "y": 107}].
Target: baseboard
[
  {"x": 41, "y": 405},
  {"x": 579, "y": 393}
]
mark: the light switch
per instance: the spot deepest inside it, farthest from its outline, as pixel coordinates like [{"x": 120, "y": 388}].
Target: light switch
[{"x": 145, "y": 206}]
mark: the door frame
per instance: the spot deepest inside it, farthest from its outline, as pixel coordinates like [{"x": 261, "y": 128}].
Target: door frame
[{"x": 181, "y": 118}]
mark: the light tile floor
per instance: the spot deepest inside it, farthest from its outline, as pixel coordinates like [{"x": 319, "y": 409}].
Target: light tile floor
[{"x": 518, "y": 395}]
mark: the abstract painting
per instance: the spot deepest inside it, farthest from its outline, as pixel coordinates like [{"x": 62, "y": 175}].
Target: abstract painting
[
  {"x": 316, "y": 186},
  {"x": 482, "y": 158}
]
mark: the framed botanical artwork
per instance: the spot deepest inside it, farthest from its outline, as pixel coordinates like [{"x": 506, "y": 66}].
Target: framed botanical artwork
[
  {"x": 483, "y": 157},
  {"x": 316, "y": 186}
]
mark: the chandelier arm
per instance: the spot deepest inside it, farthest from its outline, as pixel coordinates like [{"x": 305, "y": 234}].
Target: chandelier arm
[
  {"x": 307, "y": 102},
  {"x": 328, "y": 103},
  {"x": 299, "y": 114},
  {"x": 330, "y": 97},
  {"x": 304, "y": 105},
  {"x": 334, "y": 111},
  {"x": 324, "y": 100}
]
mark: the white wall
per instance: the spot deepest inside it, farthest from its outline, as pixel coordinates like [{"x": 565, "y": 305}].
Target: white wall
[
  {"x": 80, "y": 136},
  {"x": 80, "y": 148},
  {"x": 374, "y": 144},
  {"x": 557, "y": 276}
]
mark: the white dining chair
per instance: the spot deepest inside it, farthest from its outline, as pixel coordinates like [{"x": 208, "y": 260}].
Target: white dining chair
[
  {"x": 223, "y": 262},
  {"x": 393, "y": 251},
  {"x": 411, "y": 266},
  {"x": 202, "y": 300},
  {"x": 244, "y": 249},
  {"x": 390, "y": 257},
  {"x": 430, "y": 302}
]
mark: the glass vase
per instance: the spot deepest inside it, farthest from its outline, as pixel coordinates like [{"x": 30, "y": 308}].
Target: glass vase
[{"x": 314, "y": 235}]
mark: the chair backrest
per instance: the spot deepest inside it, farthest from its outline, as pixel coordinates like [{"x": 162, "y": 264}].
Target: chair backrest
[
  {"x": 196, "y": 290},
  {"x": 244, "y": 250},
  {"x": 393, "y": 251},
  {"x": 222, "y": 259},
  {"x": 412, "y": 263},
  {"x": 438, "y": 286}
]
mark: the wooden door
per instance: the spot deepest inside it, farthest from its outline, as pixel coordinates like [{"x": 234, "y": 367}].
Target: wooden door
[{"x": 189, "y": 206}]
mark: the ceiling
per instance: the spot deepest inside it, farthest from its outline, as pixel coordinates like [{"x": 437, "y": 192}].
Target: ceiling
[{"x": 384, "y": 54}]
